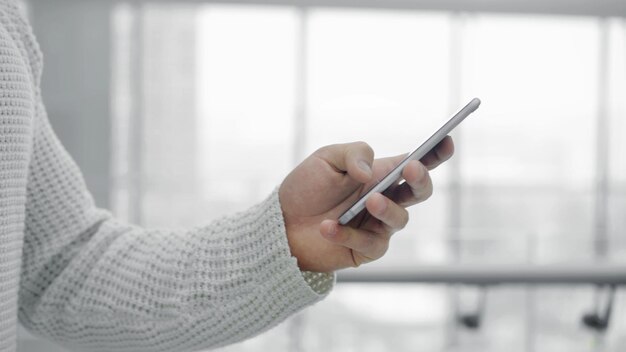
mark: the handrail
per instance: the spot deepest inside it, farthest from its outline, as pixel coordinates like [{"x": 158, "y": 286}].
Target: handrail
[
  {"x": 602, "y": 275},
  {"x": 493, "y": 274}
]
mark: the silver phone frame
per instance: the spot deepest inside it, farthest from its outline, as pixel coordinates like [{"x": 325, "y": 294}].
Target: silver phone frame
[{"x": 395, "y": 174}]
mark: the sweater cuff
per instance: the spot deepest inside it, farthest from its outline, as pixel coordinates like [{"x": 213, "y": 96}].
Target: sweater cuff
[
  {"x": 313, "y": 283},
  {"x": 321, "y": 283},
  {"x": 247, "y": 255}
]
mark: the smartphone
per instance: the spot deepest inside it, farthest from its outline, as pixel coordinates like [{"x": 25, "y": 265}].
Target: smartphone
[{"x": 395, "y": 174}]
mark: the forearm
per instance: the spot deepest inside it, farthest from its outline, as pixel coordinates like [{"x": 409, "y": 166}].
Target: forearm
[{"x": 91, "y": 281}]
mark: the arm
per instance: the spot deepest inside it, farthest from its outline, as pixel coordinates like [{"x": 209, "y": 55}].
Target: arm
[
  {"x": 96, "y": 283},
  {"x": 91, "y": 281}
]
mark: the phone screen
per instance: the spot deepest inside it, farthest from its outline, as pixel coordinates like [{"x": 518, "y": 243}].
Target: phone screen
[{"x": 395, "y": 174}]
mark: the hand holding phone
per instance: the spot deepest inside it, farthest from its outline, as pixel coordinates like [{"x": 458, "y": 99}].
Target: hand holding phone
[{"x": 395, "y": 174}]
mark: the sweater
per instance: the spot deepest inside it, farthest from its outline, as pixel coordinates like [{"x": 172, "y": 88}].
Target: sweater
[{"x": 72, "y": 273}]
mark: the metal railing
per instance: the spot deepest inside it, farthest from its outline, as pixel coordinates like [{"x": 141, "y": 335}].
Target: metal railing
[
  {"x": 487, "y": 275},
  {"x": 606, "y": 277}
]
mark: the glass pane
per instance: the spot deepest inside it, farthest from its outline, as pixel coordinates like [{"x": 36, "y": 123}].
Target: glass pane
[
  {"x": 245, "y": 95},
  {"x": 382, "y": 77},
  {"x": 348, "y": 321},
  {"x": 377, "y": 76},
  {"x": 538, "y": 78},
  {"x": 216, "y": 107},
  {"x": 528, "y": 159},
  {"x": 169, "y": 170}
]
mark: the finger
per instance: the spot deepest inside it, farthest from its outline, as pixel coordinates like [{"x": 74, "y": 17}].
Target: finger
[
  {"x": 391, "y": 216},
  {"x": 418, "y": 185},
  {"x": 353, "y": 158},
  {"x": 440, "y": 153},
  {"x": 367, "y": 244}
]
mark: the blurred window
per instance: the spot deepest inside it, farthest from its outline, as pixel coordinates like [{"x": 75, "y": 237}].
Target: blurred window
[{"x": 214, "y": 104}]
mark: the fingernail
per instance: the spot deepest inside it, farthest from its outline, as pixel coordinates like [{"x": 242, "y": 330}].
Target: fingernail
[
  {"x": 383, "y": 208},
  {"x": 332, "y": 231},
  {"x": 423, "y": 168},
  {"x": 363, "y": 165}
]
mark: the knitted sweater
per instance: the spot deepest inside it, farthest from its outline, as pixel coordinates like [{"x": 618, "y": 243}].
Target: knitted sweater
[{"x": 74, "y": 274}]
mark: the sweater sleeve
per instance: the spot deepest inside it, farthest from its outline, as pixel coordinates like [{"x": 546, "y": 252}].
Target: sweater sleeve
[{"x": 92, "y": 282}]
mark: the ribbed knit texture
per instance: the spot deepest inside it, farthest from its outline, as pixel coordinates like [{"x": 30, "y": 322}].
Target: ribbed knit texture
[{"x": 93, "y": 283}]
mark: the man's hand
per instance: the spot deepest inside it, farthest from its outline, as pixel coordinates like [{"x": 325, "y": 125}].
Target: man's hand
[{"x": 324, "y": 185}]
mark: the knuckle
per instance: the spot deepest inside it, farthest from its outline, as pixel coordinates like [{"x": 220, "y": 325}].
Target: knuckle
[
  {"x": 325, "y": 150},
  {"x": 363, "y": 146}
]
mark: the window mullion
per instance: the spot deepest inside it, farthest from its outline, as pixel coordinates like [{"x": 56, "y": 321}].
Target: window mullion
[{"x": 301, "y": 87}]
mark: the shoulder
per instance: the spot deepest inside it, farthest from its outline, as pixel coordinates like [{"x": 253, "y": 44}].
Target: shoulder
[{"x": 18, "y": 43}]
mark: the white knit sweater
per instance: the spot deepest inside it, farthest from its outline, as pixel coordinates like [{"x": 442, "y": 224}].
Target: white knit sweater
[{"x": 88, "y": 281}]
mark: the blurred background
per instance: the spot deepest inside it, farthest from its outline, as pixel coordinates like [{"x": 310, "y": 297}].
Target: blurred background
[{"x": 181, "y": 111}]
